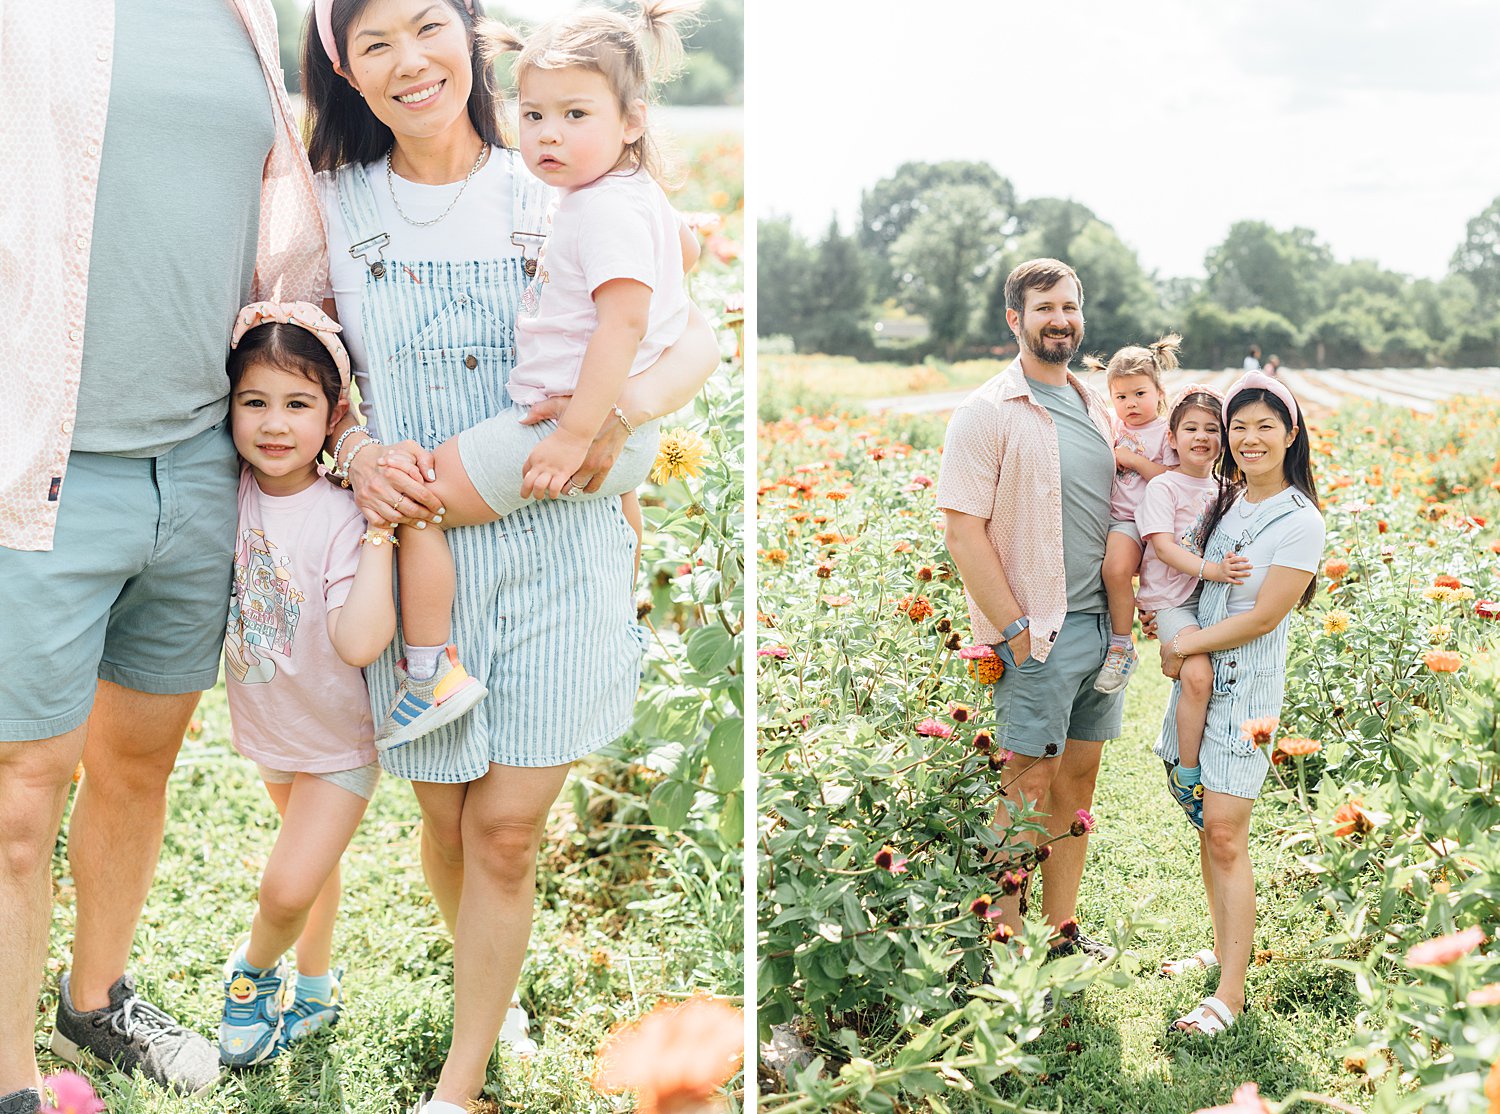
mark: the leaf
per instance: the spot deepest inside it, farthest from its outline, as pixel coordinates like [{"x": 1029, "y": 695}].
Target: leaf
[
  {"x": 670, "y": 803},
  {"x": 710, "y": 649},
  {"x": 726, "y": 753}
]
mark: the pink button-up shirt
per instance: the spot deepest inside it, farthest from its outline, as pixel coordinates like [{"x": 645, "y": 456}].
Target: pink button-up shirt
[
  {"x": 55, "y": 71},
  {"x": 1001, "y": 464}
]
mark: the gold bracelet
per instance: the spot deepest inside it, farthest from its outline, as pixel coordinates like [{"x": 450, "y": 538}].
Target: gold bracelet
[
  {"x": 379, "y": 537},
  {"x": 624, "y": 421}
]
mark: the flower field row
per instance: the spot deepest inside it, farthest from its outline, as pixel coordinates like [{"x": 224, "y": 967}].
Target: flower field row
[{"x": 880, "y": 775}]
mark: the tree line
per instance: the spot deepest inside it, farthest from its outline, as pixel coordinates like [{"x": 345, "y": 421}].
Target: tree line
[{"x": 936, "y": 240}]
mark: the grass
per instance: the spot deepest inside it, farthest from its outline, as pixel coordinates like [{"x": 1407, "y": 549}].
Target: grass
[
  {"x": 825, "y": 383},
  {"x": 1109, "y": 1050},
  {"x": 623, "y": 920}
]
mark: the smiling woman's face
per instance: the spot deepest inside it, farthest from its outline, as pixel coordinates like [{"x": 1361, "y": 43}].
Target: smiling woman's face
[
  {"x": 1258, "y": 441},
  {"x": 409, "y": 59}
]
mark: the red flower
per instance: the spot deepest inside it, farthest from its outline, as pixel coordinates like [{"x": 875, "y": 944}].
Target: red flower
[
  {"x": 960, "y": 713},
  {"x": 1487, "y": 609}
]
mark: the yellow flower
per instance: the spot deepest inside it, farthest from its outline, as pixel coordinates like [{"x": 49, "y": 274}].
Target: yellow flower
[
  {"x": 1439, "y": 634},
  {"x": 680, "y": 456},
  {"x": 1336, "y": 622}
]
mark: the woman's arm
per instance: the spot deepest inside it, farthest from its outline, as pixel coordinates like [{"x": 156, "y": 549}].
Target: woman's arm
[
  {"x": 1282, "y": 588},
  {"x": 364, "y": 626},
  {"x": 1232, "y": 570},
  {"x": 666, "y": 386}
]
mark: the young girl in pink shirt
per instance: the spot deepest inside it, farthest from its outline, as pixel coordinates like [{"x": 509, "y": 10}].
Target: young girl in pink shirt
[
  {"x": 311, "y": 604},
  {"x": 1170, "y": 519}
]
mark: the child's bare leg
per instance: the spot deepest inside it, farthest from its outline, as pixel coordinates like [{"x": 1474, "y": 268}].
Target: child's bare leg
[
  {"x": 1122, "y": 558},
  {"x": 424, "y": 565},
  {"x": 301, "y": 877},
  {"x": 1192, "y": 706},
  {"x": 630, "y": 503}
]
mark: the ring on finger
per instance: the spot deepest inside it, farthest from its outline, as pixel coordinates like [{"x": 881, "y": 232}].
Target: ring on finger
[
  {"x": 396, "y": 506},
  {"x": 576, "y": 489}
]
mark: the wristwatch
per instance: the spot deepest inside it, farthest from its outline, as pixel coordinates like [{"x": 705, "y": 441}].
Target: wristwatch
[{"x": 1015, "y": 628}]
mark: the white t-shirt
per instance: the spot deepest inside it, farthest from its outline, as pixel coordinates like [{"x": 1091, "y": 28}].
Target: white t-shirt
[
  {"x": 294, "y": 704},
  {"x": 1150, "y": 440},
  {"x": 479, "y": 227},
  {"x": 1294, "y": 541},
  {"x": 620, "y": 226},
  {"x": 1175, "y": 503}
]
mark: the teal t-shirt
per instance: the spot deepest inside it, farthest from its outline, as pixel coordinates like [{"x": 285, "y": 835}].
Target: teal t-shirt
[
  {"x": 186, "y": 136},
  {"x": 1088, "y": 470}
]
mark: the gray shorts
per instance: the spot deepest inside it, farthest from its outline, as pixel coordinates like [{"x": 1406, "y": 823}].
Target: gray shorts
[
  {"x": 494, "y": 455},
  {"x": 1050, "y": 702},
  {"x": 360, "y": 781},
  {"x": 1129, "y": 529},
  {"x": 1172, "y": 621},
  {"x": 134, "y": 589}
]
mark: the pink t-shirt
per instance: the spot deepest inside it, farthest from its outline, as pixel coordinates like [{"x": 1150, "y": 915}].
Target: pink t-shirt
[
  {"x": 619, "y": 226},
  {"x": 1174, "y": 504},
  {"x": 1150, "y": 440},
  {"x": 294, "y": 704}
]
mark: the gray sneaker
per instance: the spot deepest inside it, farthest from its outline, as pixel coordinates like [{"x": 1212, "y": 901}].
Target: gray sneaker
[
  {"x": 24, "y": 1101},
  {"x": 132, "y": 1033}
]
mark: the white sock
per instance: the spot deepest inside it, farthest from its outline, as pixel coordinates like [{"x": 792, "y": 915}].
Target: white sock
[
  {"x": 436, "y": 1107},
  {"x": 421, "y": 661},
  {"x": 1121, "y": 640}
]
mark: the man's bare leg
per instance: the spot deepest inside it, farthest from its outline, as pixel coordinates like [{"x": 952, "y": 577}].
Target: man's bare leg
[
  {"x": 34, "y": 781},
  {"x": 1072, "y": 789},
  {"x": 115, "y": 835},
  {"x": 1033, "y": 786}
]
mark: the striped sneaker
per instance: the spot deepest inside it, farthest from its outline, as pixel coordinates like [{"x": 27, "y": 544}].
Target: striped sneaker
[{"x": 422, "y": 707}]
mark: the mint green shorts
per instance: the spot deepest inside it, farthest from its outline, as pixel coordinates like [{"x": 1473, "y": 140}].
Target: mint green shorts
[
  {"x": 1044, "y": 704},
  {"x": 135, "y": 589}
]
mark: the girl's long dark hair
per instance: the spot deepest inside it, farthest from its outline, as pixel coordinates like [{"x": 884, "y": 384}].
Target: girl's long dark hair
[
  {"x": 342, "y": 127},
  {"x": 1296, "y": 467}
]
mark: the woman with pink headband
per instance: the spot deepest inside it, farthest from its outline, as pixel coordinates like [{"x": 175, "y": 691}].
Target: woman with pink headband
[
  {"x": 1267, "y": 513},
  {"x": 434, "y": 227}
]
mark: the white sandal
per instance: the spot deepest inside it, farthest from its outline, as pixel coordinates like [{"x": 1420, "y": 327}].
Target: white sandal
[
  {"x": 1211, "y": 1018},
  {"x": 516, "y": 1032},
  {"x": 1203, "y": 960}
]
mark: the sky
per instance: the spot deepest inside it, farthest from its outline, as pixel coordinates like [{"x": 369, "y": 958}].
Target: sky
[{"x": 1371, "y": 122}]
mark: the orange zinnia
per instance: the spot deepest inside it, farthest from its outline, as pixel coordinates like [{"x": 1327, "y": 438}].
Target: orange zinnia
[
  {"x": 1442, "y": 661},
  {"x": 1299, "y": 748},
  {"x": 675, "y": 1057},
  {"x": 1335, "y": 568},
  {"x": 1351, "y": 819},
  {"x": 1260, "y": 730}
]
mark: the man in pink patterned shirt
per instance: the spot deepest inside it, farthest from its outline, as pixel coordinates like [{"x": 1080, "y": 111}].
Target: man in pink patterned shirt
[
  {"x": 1025, "y": 486},
  {"x": 154, "y": 181}
]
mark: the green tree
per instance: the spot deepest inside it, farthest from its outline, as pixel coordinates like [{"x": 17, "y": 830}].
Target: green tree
[
  {"x": 888, "y": 208},
  {"x": 1478, "y": 257},
  {"x": 783, "y": 269},
  {"x": 290, "y": 16},
  {"x": 715, "y": 70},
  {"x": 945, "y": 258},
  {"x": 1258, "y": 266},
  {"x": 837, "y": 307}
]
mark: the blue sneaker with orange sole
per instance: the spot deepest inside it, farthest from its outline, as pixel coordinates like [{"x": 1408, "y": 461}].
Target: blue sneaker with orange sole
[
  {"x": 421, "y": 707},
  {"x": 310, "y": 1012},
  {"x": 250, "y": 1031},
  {"x": 1190, "y": 797}
]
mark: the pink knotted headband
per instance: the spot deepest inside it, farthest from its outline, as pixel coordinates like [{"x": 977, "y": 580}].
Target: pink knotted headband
[
  {"x": 1196, "y": 388},
  {"x": 323, "y": 13},
  {"x": 1255, "y": 380},
  {"x": 305, "y": 314}
]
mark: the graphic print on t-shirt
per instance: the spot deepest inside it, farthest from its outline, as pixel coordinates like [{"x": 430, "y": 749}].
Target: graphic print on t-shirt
[{"x": 263, "y": 609}]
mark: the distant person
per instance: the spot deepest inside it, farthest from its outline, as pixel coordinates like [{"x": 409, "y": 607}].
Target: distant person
[
  {"x": 1273, "y": 366},
  {"x": 1252, "y": 359},
  {"x": 1028, "y": 537}
]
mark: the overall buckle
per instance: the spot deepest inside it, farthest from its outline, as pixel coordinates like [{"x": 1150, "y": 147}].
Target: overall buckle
[{"x": 375, "y": 244}]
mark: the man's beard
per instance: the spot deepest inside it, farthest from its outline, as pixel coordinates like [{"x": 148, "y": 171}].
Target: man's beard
[{"x": 1054, "y": 350}]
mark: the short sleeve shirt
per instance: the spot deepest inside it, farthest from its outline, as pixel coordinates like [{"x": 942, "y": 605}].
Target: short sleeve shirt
[
  {"x": 294, "y": 704},
  {"x": 1150, "y": 440},
  {"x": 1088, "y": 469},
  {"x": 1177, "y": 504},
  {"x": 1294, "y": 541}
]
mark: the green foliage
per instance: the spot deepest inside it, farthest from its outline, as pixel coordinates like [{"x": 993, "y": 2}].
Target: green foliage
[{"x": 1478, "y": 257}]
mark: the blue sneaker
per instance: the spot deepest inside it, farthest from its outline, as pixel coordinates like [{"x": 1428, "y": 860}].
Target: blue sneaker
[
  {"x": 308, "y": 1013},
  {"x": 1190, "y": 797},
  {"x": 250, "y": 1032}
]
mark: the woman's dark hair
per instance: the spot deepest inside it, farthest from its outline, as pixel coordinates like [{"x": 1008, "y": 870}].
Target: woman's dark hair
[
  {"x": 289, "y": 348},
  {"x": 341, "y": 126},
  {"x": 1296, "y": 467}
]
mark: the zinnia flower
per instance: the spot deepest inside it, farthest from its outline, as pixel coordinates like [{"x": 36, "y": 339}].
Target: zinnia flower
[
  {"x": 1442, "y": 661},
  {"x": 887, "y": 859},
  {"x": 675, "y": 1057},
  {"x": 1299, "y": 748},
  {"x": 73, "y": 1094},
  {"x": 837, "y": 601},
  {"x": 779, "y": 652},
  {"x": 980, "y": 906},
  {"x": 1260, "y": 730},
  {"x": 1443, "y": 950},
  {"x": 935, "y": 729},
  {"x": 919, "y": 609},
  {"x": 1246, "y": 1100},
  {"x": 1083, "y": 824},
  {"x": 1335, "y": 568},
  {"x": 1446, "y": 581},
  {"x": 1487, "y": 609},
  {"x": 1350, "y": 818},
  {"x": 774, "y": 556},
  {"x": 979, "y": 650},
  {"x": 960, "y": 713},
  {"x": 680, "y": 456},
  {"x": 1336, "y": 622},
  {"x": 1486, "y": 995},
  {"x": 986, "y": 671}
]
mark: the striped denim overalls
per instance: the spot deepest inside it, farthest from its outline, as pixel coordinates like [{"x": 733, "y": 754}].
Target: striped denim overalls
[
  {"x": 1249, "y": 680},
  {"x": 544, "y": 613}
]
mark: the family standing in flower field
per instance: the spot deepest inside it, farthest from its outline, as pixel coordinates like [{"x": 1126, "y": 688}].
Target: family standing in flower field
[
  {"x": 512, "y": 355},
  {"x": 1048, "y": 502}
]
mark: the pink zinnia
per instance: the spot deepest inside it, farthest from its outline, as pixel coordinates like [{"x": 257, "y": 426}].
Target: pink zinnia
[
  {"x": 1444, "y": 949},
  {"x": 1486, "y": 995},
  {"x": 931, "y": 726},
  {"x": 773, "y": 652},
  {"x": 73, "y": 1094},
  {"x": 969, "y": 653},
  {"x": 1086, "y": 818},
  {"x": 1246, "y": 1100}
]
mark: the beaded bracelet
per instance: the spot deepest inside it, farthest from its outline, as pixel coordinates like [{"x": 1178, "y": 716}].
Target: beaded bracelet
[
  {"x": 348, "y": 464},
  {"x": 624, "y": 421},
  {"x": 338, "y": 447},
  {"x": 376, "y": 536}
]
